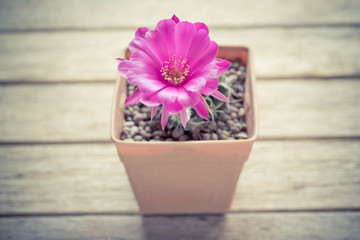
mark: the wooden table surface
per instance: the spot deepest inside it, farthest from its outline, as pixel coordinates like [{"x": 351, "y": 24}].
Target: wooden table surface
[{"x": 60, "y": 176}]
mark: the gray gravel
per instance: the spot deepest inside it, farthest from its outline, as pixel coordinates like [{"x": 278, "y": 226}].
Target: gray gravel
[{"x": 229, "y": 124}]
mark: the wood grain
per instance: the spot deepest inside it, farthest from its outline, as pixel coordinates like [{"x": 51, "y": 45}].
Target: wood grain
[
  {"x": 279, "y": 226},
  {"x": 41, "y": 14},
  {"x": 81, "y": 112},
  {"x": 83, "y": 178},
  {"x": 89, "y": 56}
]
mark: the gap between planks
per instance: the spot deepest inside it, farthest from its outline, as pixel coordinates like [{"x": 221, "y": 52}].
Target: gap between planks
[
  {"x": 235, "y": 226},
  {"x": 4, "y": 82},
  {"x": 215, "y": 27},
  {"x": 96, "y": 141},
  {"x": 118, "y": 213}
]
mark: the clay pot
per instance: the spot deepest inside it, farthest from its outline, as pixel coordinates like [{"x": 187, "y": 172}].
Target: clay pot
[{"x": 192, "y": 176}]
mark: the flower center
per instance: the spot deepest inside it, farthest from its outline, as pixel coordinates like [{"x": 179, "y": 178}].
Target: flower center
[{"x": 175, "y": 70}]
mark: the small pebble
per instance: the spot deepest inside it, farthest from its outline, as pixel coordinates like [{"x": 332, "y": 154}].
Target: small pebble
[
  {"x": 224, "y": 135},
  {"x": 242, "y": 135},
  {"x": 159, "y": 133},
  {"x": 153, "y": 124},
  {"x": 138, "y": 138},
  {"x": 139, "y": 117},
  {"x": 177, "y": 132},
  {"x": 232, "y": 77},
  {"x": 127, "y": 112},
  {"x": 126, "y": 130},
  {"x": 129, "y": 124},
  {"x": 212, "y": 126},
  {"x": 148, "y": 129},
  {"x": 235, "y": 129},
  {"x": 233, "y": 109},
  {"x": 239, "y": 88},
  {"x": 146, "y": 109},
  {"x": 184, "y": 138},
  {"x": 237, "y": 105},
  {"x": 169, "y": 140},
  {"x": 145, "y": 134},
  {"x": 227, "y": 117},
  {"x": 241, "y": 112},
  {"x": 238, "y": 95},
  {"x": 233, "y": 115},
  {"x": 221, "y": 124},
  {"x": 195, "y": 136},
  {"x": 133, "y": 130},
  {"x": 229, "y": 123},
  {"x": 206, "y": 136},
  {"x": 214, "y": 136},
  {"x": 235, "y": 65}
]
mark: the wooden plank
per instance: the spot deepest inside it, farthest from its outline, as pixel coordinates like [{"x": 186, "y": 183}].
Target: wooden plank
[
  {"x": 81, "y": 112},
  {"x": 41, "y": 14},
  {"x": 278, "y": 53},
  {"x": 77, "y": 112},
  {"x": 303, "y": 108},
  {"x": 279, "y": 175},
  {"x": 280, "y": 226}
]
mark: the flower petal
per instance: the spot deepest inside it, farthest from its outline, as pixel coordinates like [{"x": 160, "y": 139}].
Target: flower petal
[
  {"x": 151, "y": 85},
  {"x": 217, "y": 94},
  {"x": 199, "y": 45},
  {"x": 194, "y": 84},
  {"x": 141, "y": 31},
  {"x": 141, "y": 54},
  {"x": 144, "y": 60},
  {"x": 183, "y": 117},
  {"x": 207, "y": 57},
  {"x": 167, "y": 95},
  {"x": 155, "y": 43},
  {"x": 186, "y": 98},
  {"x": 174, "y": 108},
  {"x": 201, "y": 110},
  {"x": 210, "y": 86},
  {"x": 207, "y": 72},
  {"x": 119, "y": 60},
  {"x": 175, "y": 18},
  {"x": 124, "y": 66},
  {"x": 200, "y": 25},
  {"x": 134, "y": 98},
  {"x": 154, "y": 111},
  {"x": 184, "y": 34},
  {"x": 150, "y": 100},
  {"x": 135, "y": 76},
  {"x": 166, "y": 28},
  {"x": 222, "y": 65},
  {"x": 164, "y": 116}
]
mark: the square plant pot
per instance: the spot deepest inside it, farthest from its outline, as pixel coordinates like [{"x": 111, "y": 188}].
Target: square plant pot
[{"x": 189, "y": 176}]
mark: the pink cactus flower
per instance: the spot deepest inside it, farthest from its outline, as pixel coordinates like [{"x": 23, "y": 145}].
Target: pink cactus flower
[{"x": 174, "y": 65}]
